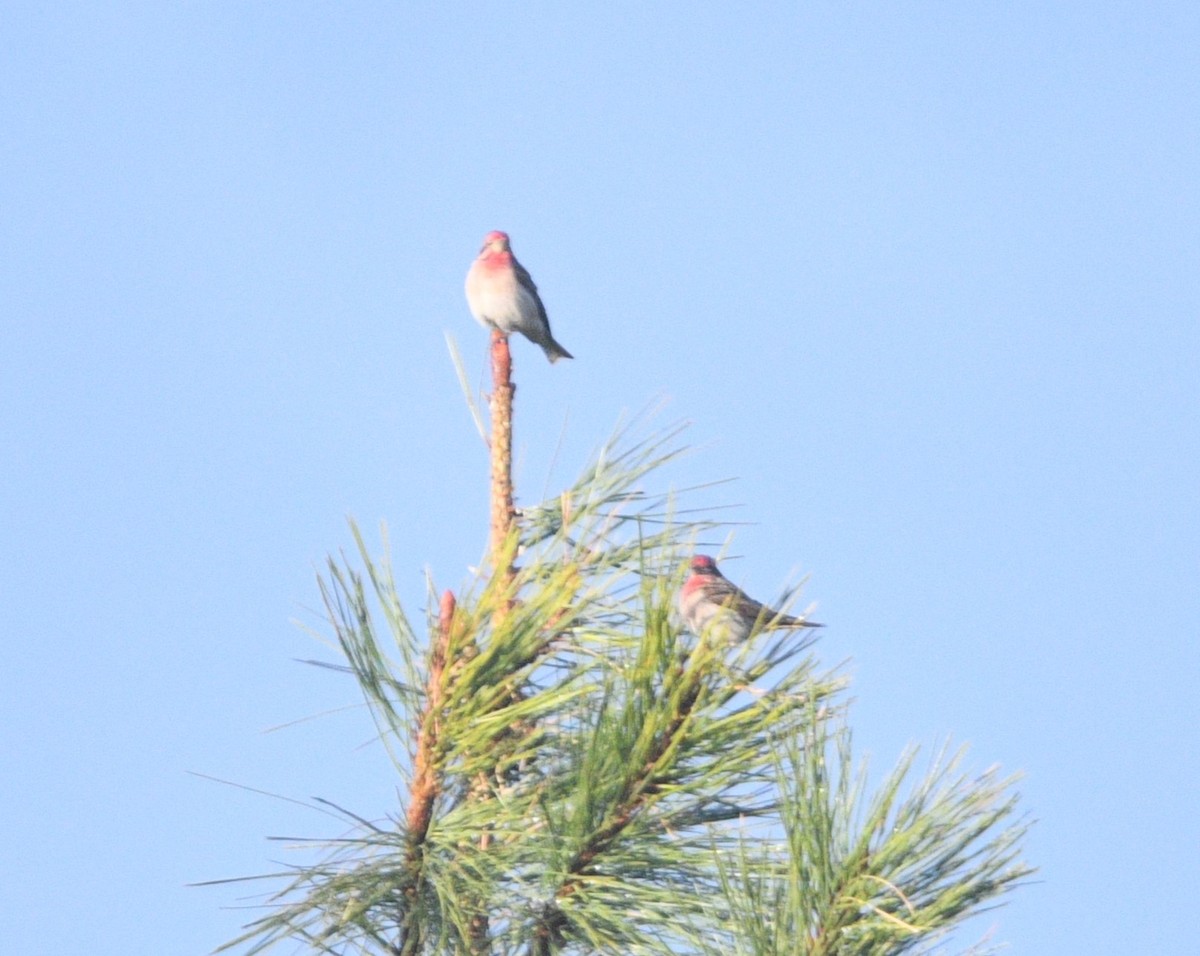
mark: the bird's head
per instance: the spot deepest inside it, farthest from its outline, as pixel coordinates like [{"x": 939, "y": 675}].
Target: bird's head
[
  {"x": 703, "y": 564},
  {"x": 495, "y": 241}
]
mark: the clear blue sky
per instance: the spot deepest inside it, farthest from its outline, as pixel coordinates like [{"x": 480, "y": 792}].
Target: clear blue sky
[{"x": 926, "y": 278}]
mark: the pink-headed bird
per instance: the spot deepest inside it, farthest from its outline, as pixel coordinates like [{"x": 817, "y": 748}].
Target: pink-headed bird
[
  {"x": 501, "y": 294},
  {"x": 707, "y": 596}
]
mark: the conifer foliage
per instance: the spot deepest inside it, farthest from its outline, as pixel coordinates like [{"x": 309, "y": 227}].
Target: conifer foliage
[{"x": 581, "y": 775}]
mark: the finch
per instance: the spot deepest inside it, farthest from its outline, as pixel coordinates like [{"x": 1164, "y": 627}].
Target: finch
[
  {"x": 501, "y": 294},
  {"x": 709, "y": 598}
]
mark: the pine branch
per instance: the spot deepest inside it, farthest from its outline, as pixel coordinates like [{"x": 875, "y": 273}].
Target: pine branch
[
  {"x": 501, "y": 553},
  {"x": 426, "y": 781},
  {"x": 583, "y": 774},
  {"x": 503, "y": 513},
  {"x": 893, "y": 883},
  {"x": 676, "y": 748}
]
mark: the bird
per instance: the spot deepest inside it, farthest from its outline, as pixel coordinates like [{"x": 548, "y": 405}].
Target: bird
[
  {"x": 501, "y": 294},
  {"x": 708, "y": 598}
]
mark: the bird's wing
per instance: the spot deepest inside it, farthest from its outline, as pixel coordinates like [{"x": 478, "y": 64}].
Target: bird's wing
[
  {"x": 749, "y": 608},
  {"x": 729, "y": 595},
  {"x": 523, "y": 276},
  {"x": 525, "y": 281},
  {"x": 762, "y": 615}
]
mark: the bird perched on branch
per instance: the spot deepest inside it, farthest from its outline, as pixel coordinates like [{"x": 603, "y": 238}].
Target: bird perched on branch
[
  {"x": 501, "y": 294},
  {"x": 707, "y": 596}
]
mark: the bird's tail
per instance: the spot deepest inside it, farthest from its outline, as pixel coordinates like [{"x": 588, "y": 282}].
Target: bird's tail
[
  {"x": 784, "y": 620},
  {"x": 554, "y": 351}
]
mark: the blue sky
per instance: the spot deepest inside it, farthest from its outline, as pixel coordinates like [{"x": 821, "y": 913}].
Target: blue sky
[{"x": 923, "y": 276}]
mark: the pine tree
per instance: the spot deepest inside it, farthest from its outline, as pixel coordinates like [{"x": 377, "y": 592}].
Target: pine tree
[{"x": 584, "y": 776}]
